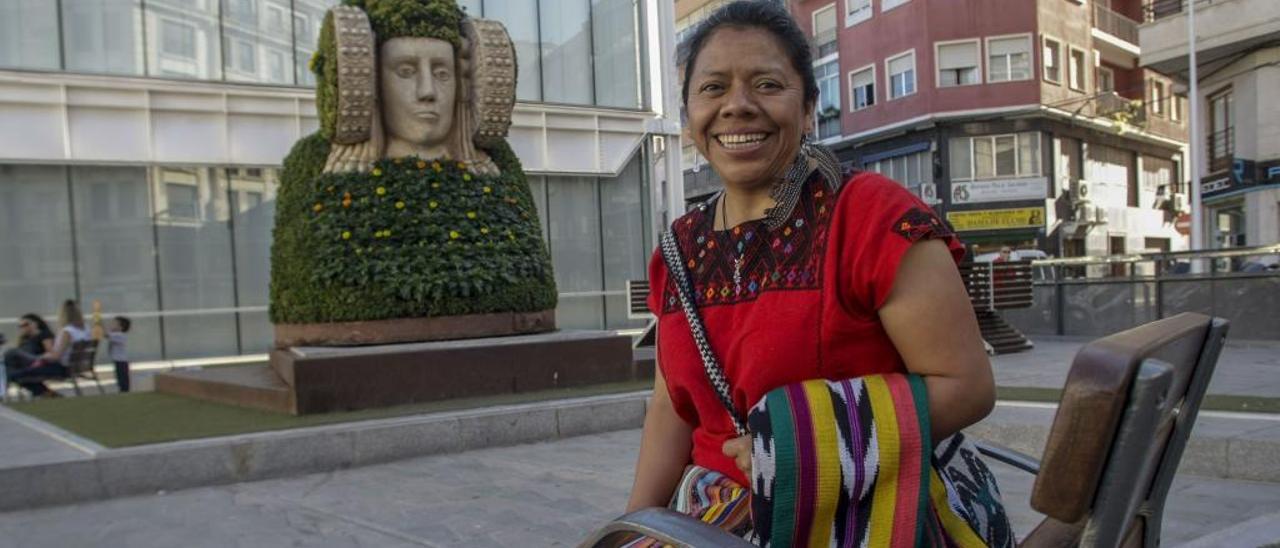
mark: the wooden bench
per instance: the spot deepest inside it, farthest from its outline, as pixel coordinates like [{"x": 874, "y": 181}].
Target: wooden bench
[{"x": 1127, "y": 410}]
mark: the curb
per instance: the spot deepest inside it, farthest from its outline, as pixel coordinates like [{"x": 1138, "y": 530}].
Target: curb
[
  {"x": 112, "y": 473},
  {"x": 1241, "y": 446}
]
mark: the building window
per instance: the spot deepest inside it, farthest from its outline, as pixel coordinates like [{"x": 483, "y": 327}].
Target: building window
[
  {"x": 862, "y": 87},
  {"x": 1222, "y": 121},
  {"x": 246, "y": 56},
  {"x": 1075, "y": 70},
  {"x": 824, "y": 31},
  {"x": 1175, "y": 108},
  {"x": 276, "y": 18},
  {"x": 1009, "y": 59},
  {"x": 902, "y": 75},
  {"x": 275, "y": 63},
  {"x": 995, "y": 156},
  {"x": 958, "y": 64},
  {"x": 886, "y": 5},
  {"x": 856, "y": 11},
  {"x": 911, "y": 170},
  {"x": 1157, "y": 98},
  {"x": 1052, "y": 60},
  {"x": 1106, "y": 79},
  {"x": 828, "y": 112},
  {"x": 177, "y": 39},
  {"x": 182, "y": 200}
]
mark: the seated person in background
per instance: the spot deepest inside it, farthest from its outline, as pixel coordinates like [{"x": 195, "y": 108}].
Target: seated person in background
[
  {"x": 50, "y": 364},
  {"x": 116, "y": 341},
  {"x": 34, "y": 339}
]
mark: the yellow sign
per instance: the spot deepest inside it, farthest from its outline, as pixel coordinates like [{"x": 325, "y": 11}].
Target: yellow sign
[{"x": 997, "y": 219}]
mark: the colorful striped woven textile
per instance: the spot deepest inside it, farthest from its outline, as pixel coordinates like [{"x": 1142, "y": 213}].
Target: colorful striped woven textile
[
  {"x": 712, "y": 498},
  {"x": 850, "y": 463}
]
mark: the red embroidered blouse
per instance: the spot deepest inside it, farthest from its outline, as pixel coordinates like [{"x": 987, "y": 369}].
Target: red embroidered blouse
[{"x": 806, "y": 306}]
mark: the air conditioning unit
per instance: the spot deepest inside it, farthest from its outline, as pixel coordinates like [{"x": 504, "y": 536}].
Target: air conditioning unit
[
  {"x": 1180, "y": 203},
  {"x": 1086, "y": 214},
  {"x": 1100, "y": 217},
  {"x": 1080, "y": 193},
  {"x": 929, "y": 193}
]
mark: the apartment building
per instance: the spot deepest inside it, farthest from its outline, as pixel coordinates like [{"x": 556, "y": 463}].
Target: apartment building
[
  {"x": 1238, "y": 64},
  {"x": 1028, "y": 123}
]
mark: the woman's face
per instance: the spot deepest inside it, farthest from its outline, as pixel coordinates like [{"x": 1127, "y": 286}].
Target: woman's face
[{"x": 746, "y": 107}]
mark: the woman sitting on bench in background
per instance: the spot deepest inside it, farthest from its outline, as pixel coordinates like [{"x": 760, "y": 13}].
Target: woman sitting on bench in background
[{"x": 51, "y": 364}]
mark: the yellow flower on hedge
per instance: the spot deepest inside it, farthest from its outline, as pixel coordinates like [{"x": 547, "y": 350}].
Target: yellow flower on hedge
[
  {"x": 462, "y": 165},
  {"x": 453, "y": 234},
  {"x": 319, "y": 206},
  {"x": 346, "y": 234},
  {"x": 435, "y": 185},
  {"x": 432, "y": 204},
  {"x": 399, "y": 205},
  {"x": 436, "y": 166},
  {"x": 381, "y": 191},
  {"x": 331, "y": 189},
  {"x": 466, "y": 176},
  {"x": 377, "y": 172},
  {"x": 386, "y": 233},
  {"x": 487, "y": 190},
  {"x": 471, "y": 214},
  {"x": 422, "y": 164}
]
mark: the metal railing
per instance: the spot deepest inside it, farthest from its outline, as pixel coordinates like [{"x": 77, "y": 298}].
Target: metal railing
[
  {"x": 998, "y": 286},
  {"x": 1096, "y": 296},
  {"x": 1115, "y": 24},
  {"x": 1159, "y": 9},
  {"x": 1222, "y": 148}
]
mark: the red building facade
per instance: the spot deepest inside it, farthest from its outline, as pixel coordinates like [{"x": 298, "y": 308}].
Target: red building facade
[{"x": 1007, "y": 115}]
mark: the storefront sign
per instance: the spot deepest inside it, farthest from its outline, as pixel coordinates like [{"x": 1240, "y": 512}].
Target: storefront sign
[
  {"x": 997, "y": 219},
  {"x": 1001, "y": 190},
  {"x": 1215, "y": 185}
]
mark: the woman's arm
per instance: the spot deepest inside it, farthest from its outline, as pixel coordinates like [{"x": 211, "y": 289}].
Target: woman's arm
[
  {"x": 664, "y": 451},
  {"x": 931, "y": 322},
  {"x": 59, "y": 346},
  {"x": 47, "y": 344}
]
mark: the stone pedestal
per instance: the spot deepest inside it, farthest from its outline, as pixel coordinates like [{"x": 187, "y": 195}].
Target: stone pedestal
[{"x": 305, "y": 380}]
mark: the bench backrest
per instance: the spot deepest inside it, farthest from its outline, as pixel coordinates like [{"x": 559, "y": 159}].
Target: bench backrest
[
  {"x": 82, "y": 356},
  {"x": 638, "y": 299},
  {"x": 1126, "y": 412}
]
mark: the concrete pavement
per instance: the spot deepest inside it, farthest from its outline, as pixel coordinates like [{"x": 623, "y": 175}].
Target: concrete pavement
[{"x": 545, "y": 494}]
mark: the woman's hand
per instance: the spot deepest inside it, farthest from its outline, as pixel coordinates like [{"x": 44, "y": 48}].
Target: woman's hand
[{"x": 739, "y": 449}]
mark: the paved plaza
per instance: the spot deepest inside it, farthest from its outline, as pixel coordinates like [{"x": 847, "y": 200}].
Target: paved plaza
[
  {"x": 547, "y": 494},
  {"x": 554, "y": 493}
]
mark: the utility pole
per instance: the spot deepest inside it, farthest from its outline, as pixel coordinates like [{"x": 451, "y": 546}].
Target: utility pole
[{"x": 1193, "y": 161}]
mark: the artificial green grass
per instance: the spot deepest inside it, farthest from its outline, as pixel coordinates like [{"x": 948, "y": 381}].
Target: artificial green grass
[
  {"x": 141, "y": 418},
  {"x": 1212, "y": 402}
]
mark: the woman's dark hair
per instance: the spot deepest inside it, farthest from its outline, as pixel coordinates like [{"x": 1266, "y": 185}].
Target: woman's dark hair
[
  {"x": 41, "y": 326},
  {"x": 761, "y": 14}
]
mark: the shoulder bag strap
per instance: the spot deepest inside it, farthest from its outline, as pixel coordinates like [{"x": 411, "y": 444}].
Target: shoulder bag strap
[{"x": 715, "y": 373}]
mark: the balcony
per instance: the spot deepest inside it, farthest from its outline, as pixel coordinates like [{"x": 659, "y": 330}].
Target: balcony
[
  {"x": 1115, "y": 36},
  {"x": 1224, "y": 28},
  {"x": 1115, "y": 24}
]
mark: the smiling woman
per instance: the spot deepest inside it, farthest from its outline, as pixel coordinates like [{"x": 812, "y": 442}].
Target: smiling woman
[{"x": 798, "y": 271}]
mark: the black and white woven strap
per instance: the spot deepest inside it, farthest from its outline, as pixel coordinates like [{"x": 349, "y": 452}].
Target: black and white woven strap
[{"x": 684, "y": 288}]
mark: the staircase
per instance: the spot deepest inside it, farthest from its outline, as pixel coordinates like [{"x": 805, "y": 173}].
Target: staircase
[{"x": 1000, "y": 335}]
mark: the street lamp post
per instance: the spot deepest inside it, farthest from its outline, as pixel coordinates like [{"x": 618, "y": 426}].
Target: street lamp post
[{"x": 1193, "y": 161}]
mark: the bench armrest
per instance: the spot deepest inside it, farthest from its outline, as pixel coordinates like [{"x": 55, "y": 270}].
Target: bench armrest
[
  {"x": 665, "y": 525},
  {"x": 1016, "y": 459}
]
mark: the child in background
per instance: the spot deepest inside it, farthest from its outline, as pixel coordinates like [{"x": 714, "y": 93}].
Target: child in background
[{"x": 116, "y": 340}]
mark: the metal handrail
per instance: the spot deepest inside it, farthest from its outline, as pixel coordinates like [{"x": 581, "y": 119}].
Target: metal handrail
[
  {"x": 1273, "y": 249},
  {"x": 1115, "y": 24}
]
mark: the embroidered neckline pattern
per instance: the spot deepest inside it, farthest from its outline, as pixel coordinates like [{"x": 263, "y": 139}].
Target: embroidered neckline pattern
[{"x": 786, "y": 258}]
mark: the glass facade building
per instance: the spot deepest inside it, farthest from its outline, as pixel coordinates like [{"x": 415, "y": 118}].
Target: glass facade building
[{"x": 182, "y": 247}]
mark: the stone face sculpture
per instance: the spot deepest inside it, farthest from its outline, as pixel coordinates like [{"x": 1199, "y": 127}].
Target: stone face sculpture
[{"x": 407, "y": 217}]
